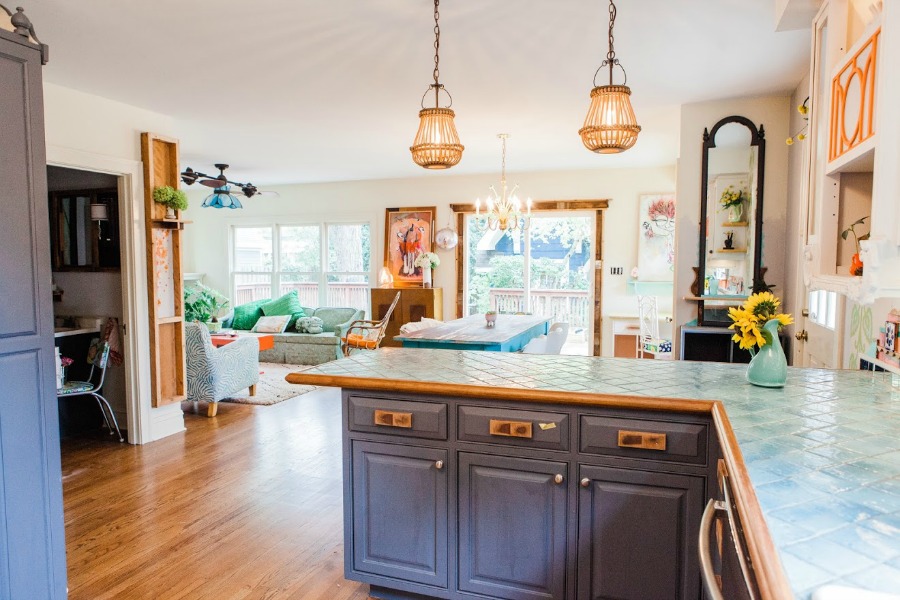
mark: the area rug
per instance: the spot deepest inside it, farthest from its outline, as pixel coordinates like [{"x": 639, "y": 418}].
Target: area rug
[{"x": 272, "y": 388}]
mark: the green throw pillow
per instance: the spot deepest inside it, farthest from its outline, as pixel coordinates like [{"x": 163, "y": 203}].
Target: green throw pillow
[
  {"x": 293, "y": 322},
  {"x": 285, "y": 305},
  {"x": 246, "y": 315}
]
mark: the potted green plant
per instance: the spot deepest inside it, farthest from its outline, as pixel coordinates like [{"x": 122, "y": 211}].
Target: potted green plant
[
  {"x": 856, "y": 267},
  {"x": 204, "y": 304},
  {"x": 171, "y": 198},
  {"x": 490, "y": 318}
]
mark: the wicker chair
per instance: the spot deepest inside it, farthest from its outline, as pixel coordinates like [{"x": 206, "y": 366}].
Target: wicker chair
[{"x": 365, "y": 334}]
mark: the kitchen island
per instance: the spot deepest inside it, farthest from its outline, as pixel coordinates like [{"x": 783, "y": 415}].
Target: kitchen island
[{"x": 815, "y": 466}]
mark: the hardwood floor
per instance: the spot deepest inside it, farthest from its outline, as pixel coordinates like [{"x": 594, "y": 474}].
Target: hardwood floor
[{"x": 243, "y": 506}]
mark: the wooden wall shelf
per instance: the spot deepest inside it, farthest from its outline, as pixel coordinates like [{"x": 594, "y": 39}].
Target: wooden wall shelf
[{"x": 169, "y": 224}]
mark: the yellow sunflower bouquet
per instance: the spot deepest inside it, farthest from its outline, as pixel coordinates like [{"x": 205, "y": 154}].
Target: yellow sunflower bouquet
[{"x": 751, "y": 318}]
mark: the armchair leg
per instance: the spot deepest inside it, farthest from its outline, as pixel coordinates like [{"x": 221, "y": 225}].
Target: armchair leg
[
  {"x": 212, "y": 409},
  {"x": 253, "y": 390}
]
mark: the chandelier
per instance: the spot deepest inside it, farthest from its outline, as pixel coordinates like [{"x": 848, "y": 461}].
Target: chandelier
[
  {"x": 504, "y": 210},
  {"x": 436, "y": 145},
  {"x": 610, "y": 126}
]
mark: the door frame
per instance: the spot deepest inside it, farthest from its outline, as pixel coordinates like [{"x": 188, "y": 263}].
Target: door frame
[
  {"x": 598, "y": 205},
  {"x": 134, "y": 276}
]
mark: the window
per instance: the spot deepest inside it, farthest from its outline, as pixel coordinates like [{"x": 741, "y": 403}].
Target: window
[
  {"x": 271, "y": 260},
  {"x": 823, "y": 308}
]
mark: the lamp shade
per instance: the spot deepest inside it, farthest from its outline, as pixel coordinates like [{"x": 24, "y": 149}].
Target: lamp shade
[
  {"x": 436, "y": 145},
  {"x": 99, "y": 212},
  {"x": 610, "y": 126}
]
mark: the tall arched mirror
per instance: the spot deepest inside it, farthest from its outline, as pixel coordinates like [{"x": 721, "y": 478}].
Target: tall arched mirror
[{"x": 731, "y": 221}]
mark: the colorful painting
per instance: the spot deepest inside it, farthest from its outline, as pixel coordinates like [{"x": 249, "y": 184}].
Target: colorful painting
[
  {"x": 656, "y": 243},
  {"x": 164, "y": 294},
  {"x": 408, "y": 232}
]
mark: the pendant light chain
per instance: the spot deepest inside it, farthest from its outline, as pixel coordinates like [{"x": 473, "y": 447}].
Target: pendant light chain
[
  {"x": 437, "y": 44},
  {"x": 611, "y": 53},
  {"x": 503, "y": 161}
]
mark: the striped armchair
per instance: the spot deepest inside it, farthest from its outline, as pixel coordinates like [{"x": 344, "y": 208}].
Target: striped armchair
[{"x": 216, "y": 373}]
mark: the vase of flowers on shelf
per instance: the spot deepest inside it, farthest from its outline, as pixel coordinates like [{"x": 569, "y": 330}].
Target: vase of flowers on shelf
[
  {"x": 856, "y": 266},
  {"x": 732, "y": 201},
  {"x": 173, "y": 199},
  {"x": 756, "y": 326},
  {"x": 427, "y": 261}
]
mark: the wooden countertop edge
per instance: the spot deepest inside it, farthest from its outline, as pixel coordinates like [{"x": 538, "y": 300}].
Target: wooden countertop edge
[{"x": 772, "y": 582}]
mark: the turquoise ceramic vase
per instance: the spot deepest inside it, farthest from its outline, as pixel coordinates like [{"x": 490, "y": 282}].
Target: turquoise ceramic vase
[{"x": 768, "y": 368}]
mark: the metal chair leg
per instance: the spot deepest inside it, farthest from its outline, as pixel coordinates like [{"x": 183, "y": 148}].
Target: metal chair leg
[{"x": 102, "y": 401}]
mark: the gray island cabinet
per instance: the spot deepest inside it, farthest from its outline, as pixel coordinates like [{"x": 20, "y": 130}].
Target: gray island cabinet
[
  {"x": 503, "y": 475},
  {"x": 450, "y": 497}
]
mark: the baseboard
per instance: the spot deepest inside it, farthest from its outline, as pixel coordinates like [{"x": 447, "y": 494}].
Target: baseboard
[{"x": 166, "y": 421}]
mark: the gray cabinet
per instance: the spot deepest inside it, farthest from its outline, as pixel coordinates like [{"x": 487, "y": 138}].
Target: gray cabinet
[
  {"x": 32, "y": 538},
  {"x": 512, "y": 527},
  {"x": 459, "y": 498},
  {"x": 637, "y": 533},
  {"x": 399, "y": 500}
]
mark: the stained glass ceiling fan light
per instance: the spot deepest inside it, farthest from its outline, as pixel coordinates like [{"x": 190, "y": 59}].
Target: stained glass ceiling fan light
[
  {"x": 436, "y": 145},
  {"x": 610, "y": 126}
]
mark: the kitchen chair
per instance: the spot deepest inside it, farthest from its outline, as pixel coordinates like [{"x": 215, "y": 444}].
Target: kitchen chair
[
  {"x": 366, "y": 334},
  {"x": 88, "y": 388},
  {"x": 556, "y": 338},
  {"x": 650, "y": 345}
]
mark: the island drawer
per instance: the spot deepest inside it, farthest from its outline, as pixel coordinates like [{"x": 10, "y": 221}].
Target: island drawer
[
  {"x": 397, "y": 417},
  {"x": 529, "y": 428},
  {"x": 643, "y": 438}
]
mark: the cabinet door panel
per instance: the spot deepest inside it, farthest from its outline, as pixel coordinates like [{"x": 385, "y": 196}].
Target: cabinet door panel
[
  {"x": 637, "y": 535},
  {"x": 512, "y": 527},
  {"x": 400, "y": 512}
]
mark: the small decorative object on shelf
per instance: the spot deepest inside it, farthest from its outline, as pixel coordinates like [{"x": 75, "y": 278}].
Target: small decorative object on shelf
[
  {"x": 427, "y": 261},
  {"x": 729, "y": 240},
  {"x": 171, "y": 198},
  {"x": 490, "y": 318},
  {"x": 733, "y": 201},
  {"x": 756, "y": 324},
  {"x": 856, "y": 267},
  {"x": 887, "y": 346}
]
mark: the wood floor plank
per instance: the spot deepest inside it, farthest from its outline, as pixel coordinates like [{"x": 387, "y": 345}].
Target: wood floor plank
[{"x": 243, "y": 506}]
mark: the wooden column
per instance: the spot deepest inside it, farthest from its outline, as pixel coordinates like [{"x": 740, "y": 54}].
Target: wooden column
[{"x": 164, "y": 284}]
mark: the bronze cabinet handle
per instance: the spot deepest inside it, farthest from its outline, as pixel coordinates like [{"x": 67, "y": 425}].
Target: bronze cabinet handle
[
  {"x": 438, "y": 464},
  {"x": 644, "y": 440},
  {"x": 393, "y": 419},
  {"x": 585, "y": 482},
  {"x": 558, "y": 479},
  {"x": 519, "y": 429}
]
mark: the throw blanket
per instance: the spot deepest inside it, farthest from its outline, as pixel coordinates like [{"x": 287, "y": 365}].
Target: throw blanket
[
  {"x": 425, "y": 323},
  {"x": 111, "y": 335}
]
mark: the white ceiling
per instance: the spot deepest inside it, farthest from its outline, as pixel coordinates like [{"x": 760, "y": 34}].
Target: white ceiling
[{"x": 314, "y": 90}]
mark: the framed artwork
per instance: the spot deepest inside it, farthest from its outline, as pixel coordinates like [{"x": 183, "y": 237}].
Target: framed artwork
[
  {"x": 656, "y": 239},
  {"x": 890, "y": 336},
  {"x": 408, "y": 232}
]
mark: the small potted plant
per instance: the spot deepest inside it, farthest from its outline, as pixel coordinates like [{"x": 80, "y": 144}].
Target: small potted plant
[
  {"x": 732, "y": 200},
  {"x": 171, "y": 198},
  {"x": 490, "y": 318},
  {"x": 204, "y": 304},
  {"x": 856, "y": 267}
]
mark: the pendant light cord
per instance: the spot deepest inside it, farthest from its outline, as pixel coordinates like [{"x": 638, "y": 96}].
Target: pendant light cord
[
  {"x": 611, "y": 61},
  {"x": 437, "y": 86}
]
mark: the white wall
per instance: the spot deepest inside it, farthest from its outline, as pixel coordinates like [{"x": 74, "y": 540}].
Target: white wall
[
  {"x": 206, "y": 242},
  {"x": 773, "y": 113},
  {"x": 93, "y": 133}
]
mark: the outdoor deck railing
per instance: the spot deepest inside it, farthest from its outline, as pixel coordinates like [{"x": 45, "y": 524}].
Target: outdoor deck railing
[
  {"x": 354, "y": 295},
  {"x": 570, "y": 306}
]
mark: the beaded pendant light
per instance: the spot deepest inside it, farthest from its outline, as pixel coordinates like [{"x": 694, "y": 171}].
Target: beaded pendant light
[
  {"x": 437, "y": 144},
  {"x": 610, "y": 126}
]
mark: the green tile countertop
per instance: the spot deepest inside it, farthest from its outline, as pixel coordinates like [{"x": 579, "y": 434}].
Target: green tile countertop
[{"x": 823, "y": 453}]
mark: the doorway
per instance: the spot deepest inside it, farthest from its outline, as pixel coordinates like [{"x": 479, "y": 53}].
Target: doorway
[{"x": 87, "y": 286}]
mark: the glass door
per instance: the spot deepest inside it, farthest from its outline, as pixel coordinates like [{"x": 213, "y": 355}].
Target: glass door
[{"x": 544, "y": 270}]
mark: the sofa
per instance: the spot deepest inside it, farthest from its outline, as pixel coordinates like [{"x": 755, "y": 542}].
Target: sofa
[{"x": 293, "y": 347}]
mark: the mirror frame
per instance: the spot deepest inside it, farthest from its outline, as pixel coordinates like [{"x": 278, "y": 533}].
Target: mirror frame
[{"x": 757, "y": 138}]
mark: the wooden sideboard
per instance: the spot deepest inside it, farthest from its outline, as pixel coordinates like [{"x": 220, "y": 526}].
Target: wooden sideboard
[{"x": 415, "y": 304}]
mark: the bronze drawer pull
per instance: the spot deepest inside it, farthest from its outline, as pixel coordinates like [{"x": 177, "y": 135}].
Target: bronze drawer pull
[
  {"x": 393, "y": 419},
  {"x": 519, "y": 429},
  {"x": 642, "y": 439}
]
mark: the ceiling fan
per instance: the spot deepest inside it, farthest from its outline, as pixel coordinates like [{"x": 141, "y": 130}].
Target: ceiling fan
[{"x": 224, "y": 190}]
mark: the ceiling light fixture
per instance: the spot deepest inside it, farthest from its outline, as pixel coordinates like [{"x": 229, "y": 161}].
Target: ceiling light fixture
[
  {"x": 221, "y": 196},
  {"x": 504, "y": 210},
  {"x": 610, "y": 126},
  {"x": 436, "y": 145}
]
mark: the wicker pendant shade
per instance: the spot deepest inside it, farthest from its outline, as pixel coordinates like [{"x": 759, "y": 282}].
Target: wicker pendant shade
[
  {"x": 610, "y": 126},
  {"x": 437, "y": 144}
]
